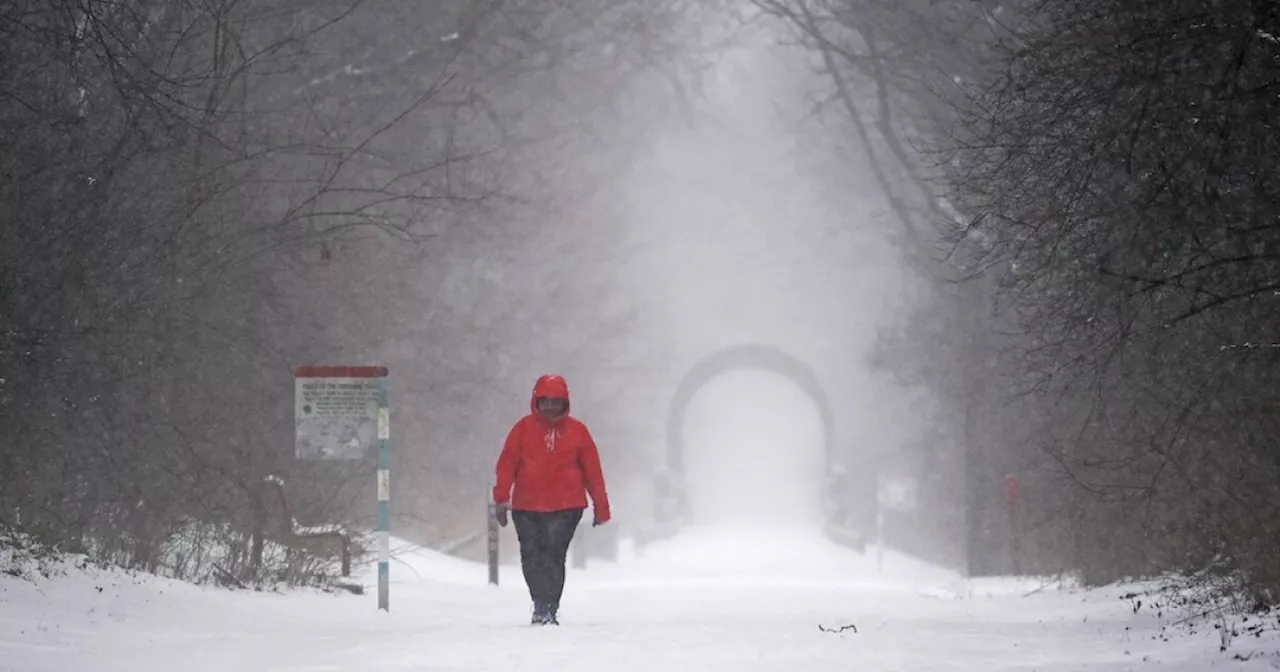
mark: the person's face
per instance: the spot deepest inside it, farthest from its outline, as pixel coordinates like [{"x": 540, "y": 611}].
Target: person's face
[{"x": 552, "y": 407}]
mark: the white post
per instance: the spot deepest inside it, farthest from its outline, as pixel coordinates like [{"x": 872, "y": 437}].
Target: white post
[{"x": 384, "y": 497}]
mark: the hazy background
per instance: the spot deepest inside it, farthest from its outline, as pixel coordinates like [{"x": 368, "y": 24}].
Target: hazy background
[{"x": 995, "y": 266}]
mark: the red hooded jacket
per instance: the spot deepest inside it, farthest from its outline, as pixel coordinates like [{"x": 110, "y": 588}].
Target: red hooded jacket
[{"x": 551, "y": 465}]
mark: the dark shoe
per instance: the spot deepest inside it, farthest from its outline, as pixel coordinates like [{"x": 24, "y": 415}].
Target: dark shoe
[
  {"x": 540, "y": 616},
  {"x": 551, "y": 615}
]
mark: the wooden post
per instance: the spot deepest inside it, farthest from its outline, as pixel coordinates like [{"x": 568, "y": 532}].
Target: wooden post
[
  {"x": 578, "y": 550},
  {"x": 492, "y": 526},
  {"x": 1012, "y": 495}
]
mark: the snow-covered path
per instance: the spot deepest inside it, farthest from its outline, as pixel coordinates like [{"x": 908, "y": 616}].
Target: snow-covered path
[{"x": 680, "y": 607}]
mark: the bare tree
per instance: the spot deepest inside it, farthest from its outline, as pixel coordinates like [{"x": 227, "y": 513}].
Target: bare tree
[
  {"x": 206, "y": 194},
  {"x": 1117, "y": 168}
]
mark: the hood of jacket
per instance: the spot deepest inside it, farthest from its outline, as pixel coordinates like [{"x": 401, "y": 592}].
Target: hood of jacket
[{"x": 550, "y": 385}]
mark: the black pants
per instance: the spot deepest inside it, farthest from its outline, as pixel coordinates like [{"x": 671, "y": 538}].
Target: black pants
[{"x": 544, "y": 543}]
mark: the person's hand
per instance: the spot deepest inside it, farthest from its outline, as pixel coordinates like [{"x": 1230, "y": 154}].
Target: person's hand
[
  {"x": 500, "y": 512},
  {"x": 599, "y": 519}
]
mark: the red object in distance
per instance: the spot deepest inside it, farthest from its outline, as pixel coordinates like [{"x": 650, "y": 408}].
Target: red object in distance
[{"x": 1011, "y": 489}]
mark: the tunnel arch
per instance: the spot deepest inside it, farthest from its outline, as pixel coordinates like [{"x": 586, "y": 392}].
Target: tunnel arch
[
  {"x": 746, "y": 357},
  {"x": 847, "y": 498}
]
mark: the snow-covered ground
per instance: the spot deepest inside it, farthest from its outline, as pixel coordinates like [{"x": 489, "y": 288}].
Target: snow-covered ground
[{"x": 709, "y": 600}]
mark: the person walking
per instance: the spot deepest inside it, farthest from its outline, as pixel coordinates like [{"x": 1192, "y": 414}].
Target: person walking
[{"x": 551, "y": 462}]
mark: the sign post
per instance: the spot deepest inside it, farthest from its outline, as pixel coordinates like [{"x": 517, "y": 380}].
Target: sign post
[
  {"x": 384, "y": 496},
  {"x": 342, "y": 413},
  {"x": 892, "y": 494}
]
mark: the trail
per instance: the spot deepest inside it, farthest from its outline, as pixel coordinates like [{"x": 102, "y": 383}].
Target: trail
[{"x": 711, "y": 599}]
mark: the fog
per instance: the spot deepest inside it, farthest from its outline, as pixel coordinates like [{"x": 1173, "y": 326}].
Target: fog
[
  {"x": 470, "y": 197},
  {"x": 888, "y": 266},
  {"x": 754, "y": 225}
]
